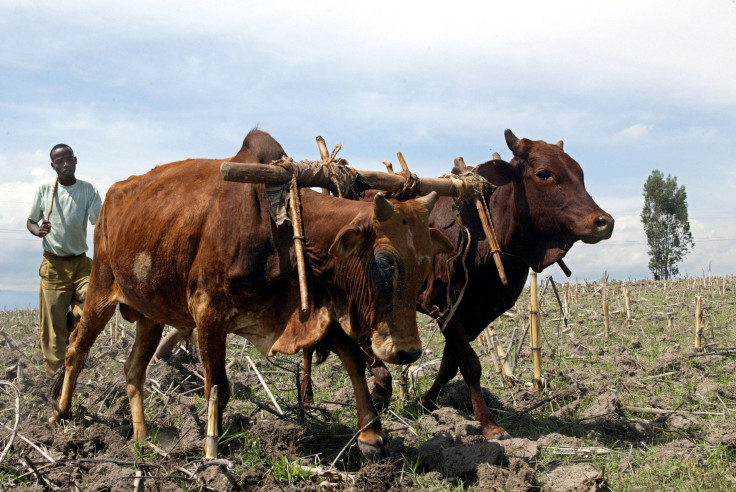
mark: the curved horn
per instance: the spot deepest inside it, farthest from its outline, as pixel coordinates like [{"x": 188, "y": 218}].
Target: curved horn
[
  {"x": 382, "y": 208},
  {"x": 429, "y": 200},
  {"x": 511, "y": 140}
]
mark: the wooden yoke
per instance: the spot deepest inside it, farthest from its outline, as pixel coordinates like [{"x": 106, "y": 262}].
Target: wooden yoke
[{"x": 272, "y": 175}]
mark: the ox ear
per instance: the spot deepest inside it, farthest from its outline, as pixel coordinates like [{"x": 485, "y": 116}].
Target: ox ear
[
  {"x": 497, "y": 172},
  {"x": 347, "y": 242},
  {"x": 440, "y": 242}
]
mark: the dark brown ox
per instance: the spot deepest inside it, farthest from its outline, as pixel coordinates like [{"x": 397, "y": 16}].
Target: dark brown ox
[
  {"x": 181, "y": 246},
  {"x": 539, "y": 211}
]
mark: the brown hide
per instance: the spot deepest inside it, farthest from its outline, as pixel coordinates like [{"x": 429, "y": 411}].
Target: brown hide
[{"x": 181, "y": 246}]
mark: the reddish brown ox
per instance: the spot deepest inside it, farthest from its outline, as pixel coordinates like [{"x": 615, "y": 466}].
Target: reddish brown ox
[
  {"x": 180, "y": 246},
  {"x": 539, "y": 211}
]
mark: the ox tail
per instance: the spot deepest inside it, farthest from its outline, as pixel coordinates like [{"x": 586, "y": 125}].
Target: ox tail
[{"x": 57, "y": 383}]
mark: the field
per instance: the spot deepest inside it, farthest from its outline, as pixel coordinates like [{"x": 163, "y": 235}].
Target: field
[{"x": 639, "y": 409}]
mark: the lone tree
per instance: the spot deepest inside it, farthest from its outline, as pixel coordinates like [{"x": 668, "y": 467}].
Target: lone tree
[{"x": 666, "y": 224}]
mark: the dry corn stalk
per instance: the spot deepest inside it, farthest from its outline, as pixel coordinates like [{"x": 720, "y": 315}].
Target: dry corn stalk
[
  {"x": 404, "y": 383},
  {"x": 501, "y": 359},
  {"x": 210, "y": 443},
  {"x": 627, "y": 298},
  {"x": 535, "y": 334},
  {"x": 698, "y": 324}
]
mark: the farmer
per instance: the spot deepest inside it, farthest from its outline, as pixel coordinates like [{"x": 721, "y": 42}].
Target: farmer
[{"x": 59, "y": 215}]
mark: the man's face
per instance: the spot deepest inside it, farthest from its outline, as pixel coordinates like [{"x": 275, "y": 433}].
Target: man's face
[{"x": 64, "y": 163}]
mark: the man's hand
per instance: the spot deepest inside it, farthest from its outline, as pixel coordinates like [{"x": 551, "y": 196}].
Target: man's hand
[
  {"x": 45, "y": 228},
  {"x": 39, "y": 229}
]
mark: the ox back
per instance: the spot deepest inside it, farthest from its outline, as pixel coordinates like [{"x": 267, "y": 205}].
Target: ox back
[{"x": 181, "y": 246}]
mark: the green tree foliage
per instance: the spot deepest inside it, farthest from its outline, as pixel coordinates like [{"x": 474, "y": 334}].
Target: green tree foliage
[{"x": 666, "y": 224}]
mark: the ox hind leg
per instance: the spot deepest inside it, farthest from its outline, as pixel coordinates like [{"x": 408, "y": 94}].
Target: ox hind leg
[
  {"x": 147, "y": 336},
  {"x": 370, "y": 439}
]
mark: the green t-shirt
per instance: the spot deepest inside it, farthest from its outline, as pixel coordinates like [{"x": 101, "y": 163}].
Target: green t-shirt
[{"x": 73, "y": 206}]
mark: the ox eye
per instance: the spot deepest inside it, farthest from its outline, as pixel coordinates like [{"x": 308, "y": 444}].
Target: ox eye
[
  {"x": 544, "y": 175},
  {"x": 382, "y": 273}
]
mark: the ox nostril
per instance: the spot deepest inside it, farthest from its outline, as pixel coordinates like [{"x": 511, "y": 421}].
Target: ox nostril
[
  {"x": 603, "y": 222},
  {"x": 408, "y": 356}
]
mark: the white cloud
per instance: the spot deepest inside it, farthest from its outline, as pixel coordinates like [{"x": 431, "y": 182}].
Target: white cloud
[{"x": 638, "y": 131}]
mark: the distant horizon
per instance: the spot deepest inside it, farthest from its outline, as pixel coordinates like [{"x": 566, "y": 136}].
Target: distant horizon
[{"x": 10, "y": 300}]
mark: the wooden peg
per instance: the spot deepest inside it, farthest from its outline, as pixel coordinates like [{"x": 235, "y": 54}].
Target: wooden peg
[{"x": 402, "y": 162}]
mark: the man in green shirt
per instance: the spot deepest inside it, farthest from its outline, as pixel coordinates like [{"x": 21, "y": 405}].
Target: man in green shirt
[{"x": 59, "y": 215}]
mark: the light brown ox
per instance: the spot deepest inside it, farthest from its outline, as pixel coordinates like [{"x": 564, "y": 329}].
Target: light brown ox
[{"x": 180, "y": 246}]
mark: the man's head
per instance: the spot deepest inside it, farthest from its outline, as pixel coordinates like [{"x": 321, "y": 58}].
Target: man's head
[{"x": 64, "y": 163}]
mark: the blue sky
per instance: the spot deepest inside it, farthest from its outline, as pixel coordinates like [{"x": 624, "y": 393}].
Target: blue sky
[{"x": 629, "y": 86}]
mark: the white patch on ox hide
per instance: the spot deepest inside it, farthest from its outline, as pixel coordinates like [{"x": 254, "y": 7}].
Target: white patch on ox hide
[{"x": 142, "y": 266}]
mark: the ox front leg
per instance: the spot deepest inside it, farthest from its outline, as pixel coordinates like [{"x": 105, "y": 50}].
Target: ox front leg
[
  {"x": 147, "y": 336},
  {"x": 382, "y": 382},
  {"x": 370, "y": 439}
]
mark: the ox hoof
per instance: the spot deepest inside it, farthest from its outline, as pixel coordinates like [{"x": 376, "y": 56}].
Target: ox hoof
[
  {"x": 496, "y": 434},
  {"x": 58, "y": 419},
  {"x": 373, "y": 451}
]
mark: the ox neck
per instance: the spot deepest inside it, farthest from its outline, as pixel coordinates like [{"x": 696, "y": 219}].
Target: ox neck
[{"x": 516, "y": 233}]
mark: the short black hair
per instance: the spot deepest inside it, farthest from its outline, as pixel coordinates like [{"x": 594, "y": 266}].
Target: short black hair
[{"x": 59, "y": 146}]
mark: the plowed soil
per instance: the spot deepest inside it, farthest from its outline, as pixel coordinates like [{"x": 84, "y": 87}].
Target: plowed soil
[{"x": 615, "y": 410}]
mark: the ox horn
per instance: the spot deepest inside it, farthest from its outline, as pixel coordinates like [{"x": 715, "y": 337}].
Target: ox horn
[
  {"x": 561, "y": 144},
  {"x": 511, "y": 140},
  {"x": 382, "y": 208},
  {"x": 429, "y": 200}
]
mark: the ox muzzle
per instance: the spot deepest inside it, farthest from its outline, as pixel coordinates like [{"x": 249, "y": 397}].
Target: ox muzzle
[
  {"x": 396, "y": 348},
  {"x": 599, "y": 226}
]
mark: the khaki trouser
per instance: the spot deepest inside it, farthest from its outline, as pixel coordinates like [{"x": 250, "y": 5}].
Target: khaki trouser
[{"x": 60, "y": 300}]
